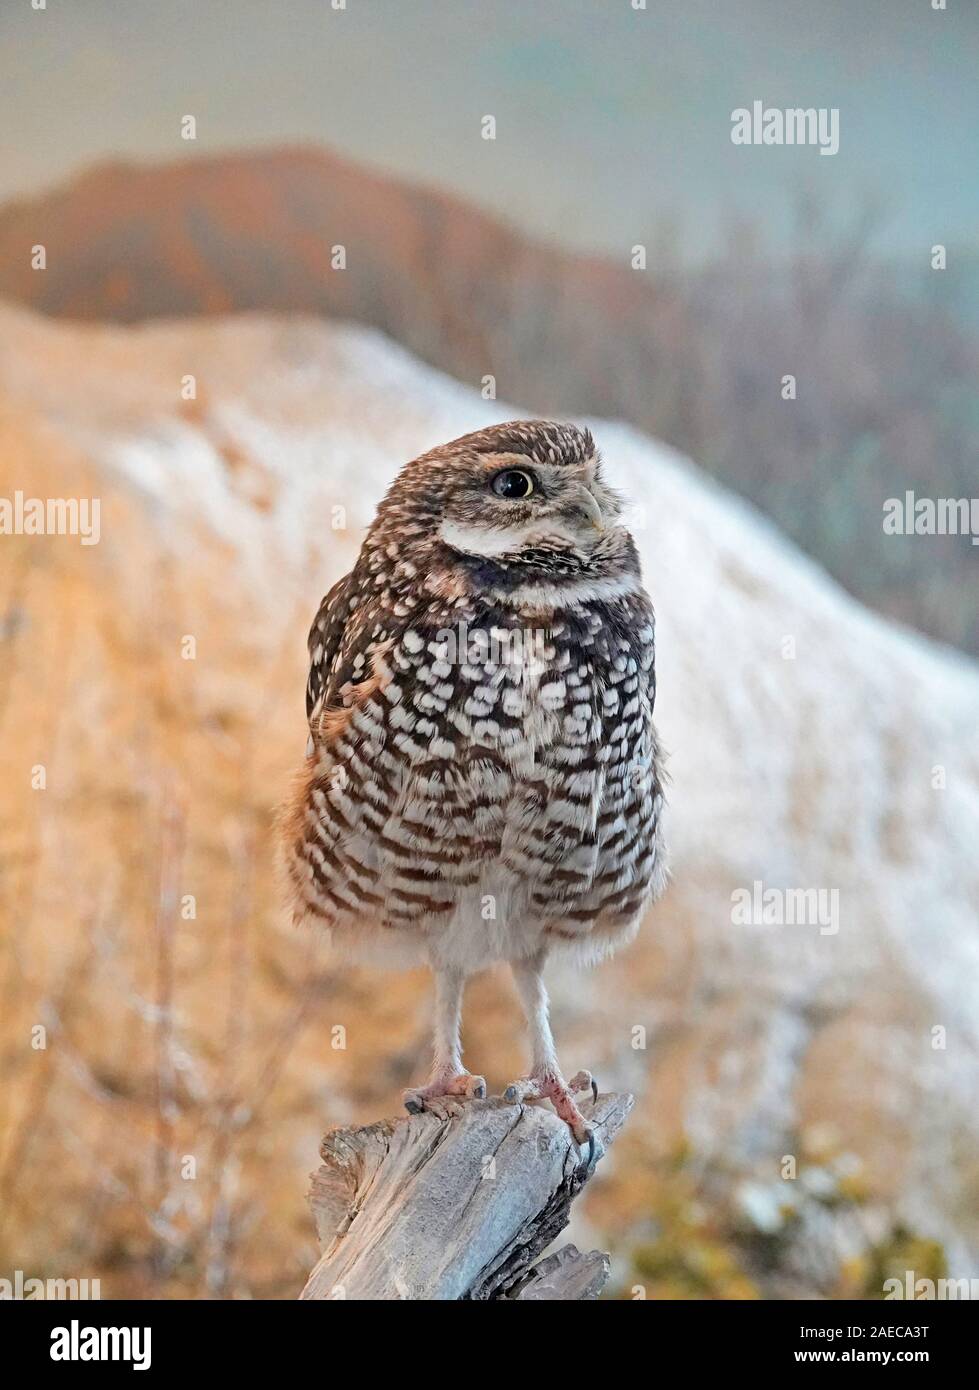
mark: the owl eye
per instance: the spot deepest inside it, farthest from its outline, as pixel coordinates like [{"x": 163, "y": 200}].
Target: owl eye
[{"x": 513, "y": 484}]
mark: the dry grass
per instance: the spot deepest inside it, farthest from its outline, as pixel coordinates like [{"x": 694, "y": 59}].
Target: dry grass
[{"x": 161, "y": 1138}]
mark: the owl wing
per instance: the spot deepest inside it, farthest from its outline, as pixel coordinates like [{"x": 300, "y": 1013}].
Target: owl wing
[
  {"x": 621, "y": 863},
  {"x": 372, "y": 821},
  {"x": 637, "y": 871},
  {"x": 326, "y": 643}
]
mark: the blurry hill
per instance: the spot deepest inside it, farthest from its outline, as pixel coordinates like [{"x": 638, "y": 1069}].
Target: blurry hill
[
  {"x": 885, "y": 357},
  {"x": 185, "y": 1018}
]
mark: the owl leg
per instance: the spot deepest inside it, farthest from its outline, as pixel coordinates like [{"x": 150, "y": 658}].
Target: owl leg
[
  {"x": 449, "y": 1076},
  {"x": 545, "y": 1081}
]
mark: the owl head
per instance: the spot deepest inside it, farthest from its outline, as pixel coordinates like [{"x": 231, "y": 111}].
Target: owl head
[{"x": 513, "y": 502}]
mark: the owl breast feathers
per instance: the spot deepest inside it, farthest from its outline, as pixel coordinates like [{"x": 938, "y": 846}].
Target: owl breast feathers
[{"x": 483, "y": 777}]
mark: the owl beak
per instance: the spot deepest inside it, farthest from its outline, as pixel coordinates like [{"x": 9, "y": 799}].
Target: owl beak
[{"x": 585, "y": 507}]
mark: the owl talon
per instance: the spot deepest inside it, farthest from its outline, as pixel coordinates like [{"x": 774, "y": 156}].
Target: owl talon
[
  {"x": 588, "y": 1163},
  {"x": 527, "y": 1088},
  {"x": 450, "y": 1087},
  {"x": 551, "y": 1086},
  {"x": 445, "y": 1107},
  {"x": 584, "y": 1081}
]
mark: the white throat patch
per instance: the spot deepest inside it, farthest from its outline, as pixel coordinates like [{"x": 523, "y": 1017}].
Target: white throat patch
[
  {"x": 501, "y": 540},
  {"x": 478, "y": 540},
  {"x": 570, "y": 591}
]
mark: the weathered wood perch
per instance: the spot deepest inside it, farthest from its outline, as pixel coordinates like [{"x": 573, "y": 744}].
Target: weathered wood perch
[{"x": 440, "y": 1206}]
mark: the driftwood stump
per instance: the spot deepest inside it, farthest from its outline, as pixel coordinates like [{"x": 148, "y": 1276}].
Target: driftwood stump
[{"x": 456, "y": 1206}]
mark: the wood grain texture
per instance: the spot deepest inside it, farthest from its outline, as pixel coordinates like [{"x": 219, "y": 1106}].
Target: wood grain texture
[{"x": 447, "y": 1205}]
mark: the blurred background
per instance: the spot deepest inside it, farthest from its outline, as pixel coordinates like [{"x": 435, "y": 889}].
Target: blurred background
[{"x": 280, "y": 257}]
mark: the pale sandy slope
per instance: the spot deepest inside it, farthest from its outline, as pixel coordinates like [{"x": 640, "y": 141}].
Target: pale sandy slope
[{"x": 809, "y": 772}]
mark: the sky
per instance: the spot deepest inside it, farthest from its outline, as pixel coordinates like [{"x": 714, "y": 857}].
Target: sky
[{"x": 611, "y": 122}]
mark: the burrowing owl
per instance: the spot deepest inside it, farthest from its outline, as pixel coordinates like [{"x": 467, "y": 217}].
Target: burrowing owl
[{"x": 483, "y": 779}]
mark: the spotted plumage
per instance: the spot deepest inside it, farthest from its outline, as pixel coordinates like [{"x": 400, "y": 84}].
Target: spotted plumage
[{"x": 483, "y": 778}]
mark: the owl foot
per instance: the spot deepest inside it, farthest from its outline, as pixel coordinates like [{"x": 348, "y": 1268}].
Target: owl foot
[
  {"x": 449, "y": 1089},
  {"x": 552, "y": 1086}
]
